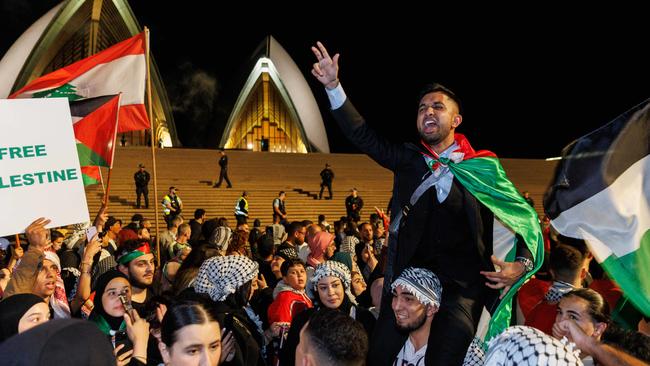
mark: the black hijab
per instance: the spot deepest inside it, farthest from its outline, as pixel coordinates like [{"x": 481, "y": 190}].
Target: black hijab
[
  {"x": 69, "y": 342},
  {"x": 98, "y": 311},
  {"x": 12, "y": 309}
]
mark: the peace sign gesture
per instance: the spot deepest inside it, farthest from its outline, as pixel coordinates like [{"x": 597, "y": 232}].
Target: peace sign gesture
[{"x": 326, "y": 70}]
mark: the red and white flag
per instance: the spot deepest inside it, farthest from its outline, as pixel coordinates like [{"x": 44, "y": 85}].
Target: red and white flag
[{"x": 120, "y": 68}]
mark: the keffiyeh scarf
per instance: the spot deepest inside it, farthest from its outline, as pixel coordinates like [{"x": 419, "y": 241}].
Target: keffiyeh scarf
[
  {"x": 334, "y": 269},
  {"x": 421, "y": 283},
  {"x": 557, "y": 291},
  {"x": 221, "y": 276},
  {"x": 58, "y": 300},
  {"x": 521, "y": 345}
]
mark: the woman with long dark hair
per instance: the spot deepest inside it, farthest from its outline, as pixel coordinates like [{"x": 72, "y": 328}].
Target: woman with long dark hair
[{"x": 190, "y": 335}]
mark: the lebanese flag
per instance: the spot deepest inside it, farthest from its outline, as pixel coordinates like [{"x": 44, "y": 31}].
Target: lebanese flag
[
  {"x": 95, "y": 122},
  {"x": 120, "y": 68},
  {"x": 601, "y": 193}
]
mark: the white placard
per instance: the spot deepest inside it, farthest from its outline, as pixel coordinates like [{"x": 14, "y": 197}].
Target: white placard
[{"x": 39, "y": 166}]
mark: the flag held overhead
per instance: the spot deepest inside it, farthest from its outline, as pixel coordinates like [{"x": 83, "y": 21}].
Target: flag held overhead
[
  {"x": 601, "y": 193},
  {"x": 120, "y": 68}
]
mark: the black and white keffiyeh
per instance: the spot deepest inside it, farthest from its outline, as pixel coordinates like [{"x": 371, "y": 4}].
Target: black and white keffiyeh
[
  {"x": 220, "y": 238},
  {"x": 334, "y": 269},
  {"x": 521, "y": 345},
  {"x": 557, "y": 291},
  {"x": 221, "y": 276},
  {"x": 421, "y": 283}
]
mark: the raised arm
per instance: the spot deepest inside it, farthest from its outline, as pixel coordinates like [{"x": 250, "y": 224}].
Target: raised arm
[
  {"x": 351, "y": 122},
  {"x": 23, "y": 278},
  {"x": 326, "y": 70}
]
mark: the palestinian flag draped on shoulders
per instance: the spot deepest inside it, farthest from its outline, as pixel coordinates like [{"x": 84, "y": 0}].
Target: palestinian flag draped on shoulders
[
  {"x": 601, "y": 193},
  {"x": 120, "y": 68},
  {"x": 481, "y": 173},
  {"x": 95, "y": 122}
]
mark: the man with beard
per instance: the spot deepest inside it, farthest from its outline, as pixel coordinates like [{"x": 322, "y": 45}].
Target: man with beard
[
  {"x": 416, "y": 299},
  {"x": 137, "y": 262},
  {"x": 446, "y": 199}
]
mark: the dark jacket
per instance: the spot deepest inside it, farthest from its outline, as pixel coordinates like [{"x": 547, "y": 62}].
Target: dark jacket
[
  {"x": 434, "y": 248},
  {"x": 141, "y": 178},
  {"x": 223, "y": 162},
  {"x": 327, "y": 175},
  {"x": 248, "y": 340}
]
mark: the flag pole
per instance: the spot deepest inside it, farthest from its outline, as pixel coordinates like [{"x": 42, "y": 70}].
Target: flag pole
[
  {"x": 153, "y": 140},
  {"x": 108, "y": 187},
  {"x": 101, "y": 179},
  {"x": 110, "y": 168}
]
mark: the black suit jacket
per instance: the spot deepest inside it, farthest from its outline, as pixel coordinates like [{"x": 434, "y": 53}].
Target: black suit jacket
[{"x": 409, "y": 169}]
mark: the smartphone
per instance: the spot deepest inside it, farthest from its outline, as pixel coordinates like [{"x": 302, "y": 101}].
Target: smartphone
[
  {"x": 122, "y": 338},
  {"x": 90, "y": 232},
  {"x": 127, "y": 305}
]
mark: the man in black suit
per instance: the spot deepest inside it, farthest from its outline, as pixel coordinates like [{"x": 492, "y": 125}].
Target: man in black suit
[{"x": 447, "y": 230}]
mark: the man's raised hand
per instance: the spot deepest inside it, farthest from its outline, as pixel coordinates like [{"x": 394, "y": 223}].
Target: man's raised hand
[
  {"x": 37, "y": 234},
  {"x": 326, "y": 70}
]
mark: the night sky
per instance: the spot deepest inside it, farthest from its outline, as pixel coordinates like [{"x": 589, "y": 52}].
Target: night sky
[{"x": 531, "y": 80}]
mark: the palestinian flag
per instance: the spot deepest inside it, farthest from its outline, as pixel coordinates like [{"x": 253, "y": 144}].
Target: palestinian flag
[
  {"x": 91, "y": 175},
  {"x": 481, "y": 173},
  {"x": 601, "y": 193},
  {"x": 95, "y": 122},
  {"x": 120, "y": 68}
]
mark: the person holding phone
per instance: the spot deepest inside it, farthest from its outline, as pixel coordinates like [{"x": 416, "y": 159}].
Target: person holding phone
[
  {"x": 127, "y": 331},
  {"x": 227, "y": 282}
]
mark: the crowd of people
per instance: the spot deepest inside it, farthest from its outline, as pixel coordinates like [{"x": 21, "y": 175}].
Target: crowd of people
[
  {"x": 235, "y": 296},
  {"x": 408, "y": 288}
]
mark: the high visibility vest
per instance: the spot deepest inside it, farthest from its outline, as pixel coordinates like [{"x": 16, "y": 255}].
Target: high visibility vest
[{"x": 238, "y": 211}]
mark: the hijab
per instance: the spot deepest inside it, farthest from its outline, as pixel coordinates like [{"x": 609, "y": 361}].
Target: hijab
[
  {"x": 69, "y": 342},
  {"x": 106, "y": 322},
  {"x": 318, "y": 244},
  {"x": 12, "y": 309}
]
